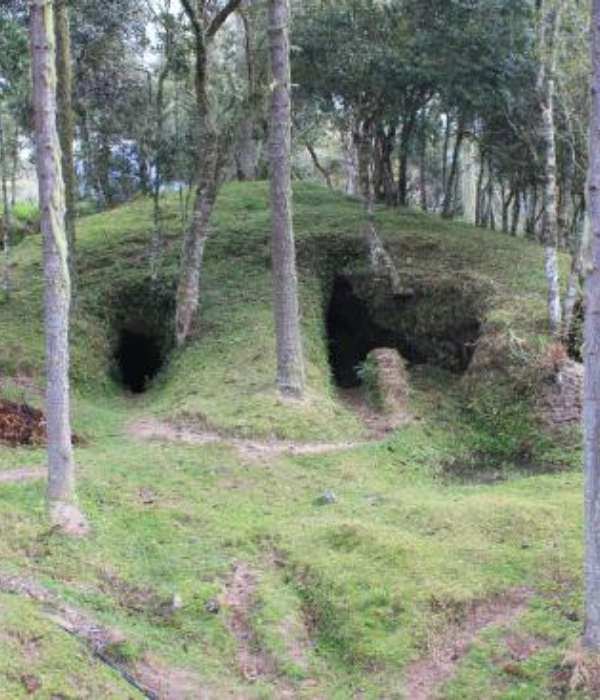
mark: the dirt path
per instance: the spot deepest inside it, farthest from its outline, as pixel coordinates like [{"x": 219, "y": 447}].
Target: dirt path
[
  {"x": 189, "y": 434},
  {"x": 426, "y": 676},
  {"x": 378, "y": 424},
  {"x": 150, "y": 679},
  {"x": 17, "y": 475},
  {"x": 254, "y": 661}
]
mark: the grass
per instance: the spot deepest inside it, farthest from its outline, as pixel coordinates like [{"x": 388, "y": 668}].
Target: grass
[{"x": 372, "y": 579}]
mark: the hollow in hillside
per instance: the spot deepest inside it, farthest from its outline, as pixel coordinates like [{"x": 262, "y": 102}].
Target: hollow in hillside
[
  {"x": 142, "y": 331},
  {"x": 438, "y": 325}
]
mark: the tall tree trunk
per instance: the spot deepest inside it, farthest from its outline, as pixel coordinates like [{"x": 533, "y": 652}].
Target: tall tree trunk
[
  {"x": 6, "y": 213},
  {"x": 423, "y": 166},
  {"x": 516, "y": 213},
  {"x": 591, "y": 400},
  {"x": 157, "y": 236},
  {"x": 550, "y": 20},
  {"x": 15, "y": 167},
  {"x": 449, "y": 205},
  {"x": 65, "y": 123},
  {"x": 405, "y": 137},
  {"x": 62, "y": 506},
  {"x": 290, "y": 361},
  {"x": 195, "y": 238},
  {"x": 480, "y": 201},
  {"x": 381, "y": 262}
]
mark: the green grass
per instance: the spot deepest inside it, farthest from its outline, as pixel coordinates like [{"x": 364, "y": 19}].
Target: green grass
[{"x": 377, "y": 575}]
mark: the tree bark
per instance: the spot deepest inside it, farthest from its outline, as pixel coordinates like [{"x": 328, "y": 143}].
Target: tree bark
[
  {"x": 591, "y": 400},
  {"x": 57, "y": 296},
  {"x": 405, "y": 136},
  {"x": 6, "y": 214},
  {"x": 449, "y": 203},
  {"x": 192, "y": 255},
  {"x": 206, "y": 194},
  {"x": 381, "y": 262},
  {"x": 546, "y": 91},
  {"x": 290, "y": 361},
  {"x": 65, "y": 123}
]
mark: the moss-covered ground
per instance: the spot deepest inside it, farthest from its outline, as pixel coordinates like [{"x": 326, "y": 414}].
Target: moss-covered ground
[{"x": 348, "y": 594}]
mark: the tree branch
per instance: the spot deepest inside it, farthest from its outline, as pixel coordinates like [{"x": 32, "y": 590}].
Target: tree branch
[
  {"x": 193, "y": 18},
  {"x": 221, "y": 17}
]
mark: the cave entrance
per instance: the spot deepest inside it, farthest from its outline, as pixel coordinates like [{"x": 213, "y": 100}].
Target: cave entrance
[
  {"x": 141, "y": 320},
  {"x": 139, "y": 358},
  {"x": 438, "y": 325},
  {"x": 352, "y": 334}
]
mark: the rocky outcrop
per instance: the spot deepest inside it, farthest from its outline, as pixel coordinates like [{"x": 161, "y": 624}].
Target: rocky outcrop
[{"x": 560, "y": 402}]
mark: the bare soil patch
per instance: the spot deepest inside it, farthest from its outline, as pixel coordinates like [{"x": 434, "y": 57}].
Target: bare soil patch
[
  {"x": 18, "y": 475},
  {"x": 192, "y": 434},
  {"x": 426, "y": 676}
]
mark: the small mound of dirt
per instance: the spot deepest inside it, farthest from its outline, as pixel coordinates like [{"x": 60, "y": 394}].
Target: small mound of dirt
[
  {"x": 391, "y": 379},
  {"x": 21, "y": 424}
]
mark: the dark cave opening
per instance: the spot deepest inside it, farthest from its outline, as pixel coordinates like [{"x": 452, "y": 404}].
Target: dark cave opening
[
  {"x": 351, "y": 333},
  {"x": 140, "y": 315},
  {"x": 433, "y": 327},
  {"x": 139, "y": 358}
]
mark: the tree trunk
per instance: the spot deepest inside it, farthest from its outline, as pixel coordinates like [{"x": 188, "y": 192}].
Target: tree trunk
[
  {"x": 192, "y": 254},
  {"x": 546, "y": 89},
  {"x": 381, "y": 262},
  {"x": 449, "y": 205},
  {"x": 469, "y": 182},
  {"x": 405, "y": 137},
  {"x": 516, "y": 213},
  {"x": 480, "y": 203},
  {"x": 290, "y": 362},
  {"x": 61, "y": 476},
  {"x": 591, "y": 400},
  {"x": 157, "y": 235},
  {"x": 6, "y": 214},
  {"x": 423, "y": 167},
  {"x": 15, "y": 167},
  {"x": 65, "y": 123}
]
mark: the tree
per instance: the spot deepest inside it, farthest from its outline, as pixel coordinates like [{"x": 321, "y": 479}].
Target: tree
[
  {"x": 62, "y": 507},
  {"x": 549, "y": 23},
  {"x": 205, "y": 26},
  {"x": 591, "y": 416},
  {"x": 65, "y": 118},
  {"x": 290, "y": 363}
]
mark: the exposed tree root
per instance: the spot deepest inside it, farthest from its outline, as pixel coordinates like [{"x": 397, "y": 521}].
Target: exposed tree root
[
  {"x": 426, "y": 676},
  {"x": 151, "y": 681}
]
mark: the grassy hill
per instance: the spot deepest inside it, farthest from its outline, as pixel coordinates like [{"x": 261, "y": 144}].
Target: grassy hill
[{"x": 282, "y": 593}]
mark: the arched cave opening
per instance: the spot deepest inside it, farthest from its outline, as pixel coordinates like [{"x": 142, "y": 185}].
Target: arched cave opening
[
  {"x": 141, "y": 319},
  {"x": 435, "y": 326},
  {"x": 139, "y": 358},
  {"x": 351, "y": 333}
]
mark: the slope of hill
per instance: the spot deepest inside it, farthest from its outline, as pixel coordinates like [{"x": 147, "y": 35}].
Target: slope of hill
[{"x": 258, "y": 548}]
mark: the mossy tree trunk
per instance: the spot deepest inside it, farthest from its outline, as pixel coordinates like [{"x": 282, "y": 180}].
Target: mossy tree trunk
[
  {"x": 65, "y": 123},
  {"x": 6, "y": 213},
  {"x": 548, "y": 30},
  {"x": 192, "y": 255},
  {"x": 57, "y": 296},
  {"x": 290, "y": 361}
]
